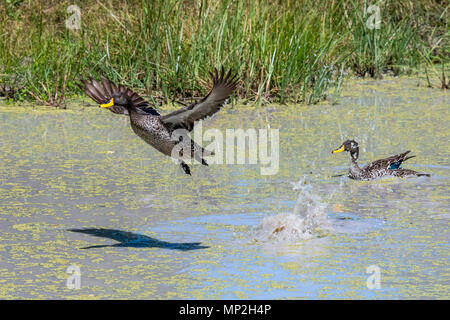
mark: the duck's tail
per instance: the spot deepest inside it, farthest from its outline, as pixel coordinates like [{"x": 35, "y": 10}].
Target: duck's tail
[{"x": 408, "y": 158}]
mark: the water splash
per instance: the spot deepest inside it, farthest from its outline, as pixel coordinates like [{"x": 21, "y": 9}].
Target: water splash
[{"x": 308, "y": 219}]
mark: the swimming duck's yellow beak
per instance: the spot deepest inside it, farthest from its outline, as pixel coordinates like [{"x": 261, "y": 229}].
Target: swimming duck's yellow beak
[
  {"x": 109, "y": 104},
  {"x": 338, "y": 150}
]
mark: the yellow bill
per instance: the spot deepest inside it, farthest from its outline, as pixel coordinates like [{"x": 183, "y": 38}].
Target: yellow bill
[
  {"x": 109, "y": 104},
  {"x": 339, "y": 150}
]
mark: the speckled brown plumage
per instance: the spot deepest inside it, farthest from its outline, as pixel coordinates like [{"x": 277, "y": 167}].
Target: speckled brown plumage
[
  {"x": 379, "y": 168},
  {"x": 160, "y": 131}
]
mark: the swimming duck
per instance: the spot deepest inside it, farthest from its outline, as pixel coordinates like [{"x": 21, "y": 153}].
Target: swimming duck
[
  {"x": 383, "y": 167},
  {"x": 164, "y": 132}
]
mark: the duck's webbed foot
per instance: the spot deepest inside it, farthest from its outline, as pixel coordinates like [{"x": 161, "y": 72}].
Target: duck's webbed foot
[{"x": 185, "y": 167}]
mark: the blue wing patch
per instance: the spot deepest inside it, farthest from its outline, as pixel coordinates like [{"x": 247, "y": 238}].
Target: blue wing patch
[{"x": 395, "y": 165}]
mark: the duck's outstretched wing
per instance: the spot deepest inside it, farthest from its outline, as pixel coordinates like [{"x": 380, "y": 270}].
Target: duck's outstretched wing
[
  {"x": 391, "y": 163},
  {"x": 223, "y": 87},
  {"x": 102, "y": 92}
]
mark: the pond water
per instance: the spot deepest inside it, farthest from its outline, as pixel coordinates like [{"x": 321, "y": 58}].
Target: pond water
[{"x": 79, "y": 191}]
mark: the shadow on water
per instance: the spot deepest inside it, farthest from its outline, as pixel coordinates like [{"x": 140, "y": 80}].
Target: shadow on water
[{"x": 135, "y": 240}]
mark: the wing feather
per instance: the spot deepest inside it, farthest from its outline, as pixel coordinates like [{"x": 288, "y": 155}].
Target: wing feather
[
  {"x": 223, "y": 87},
  {"x": 102, "y": 92},
  {"x": 386, "y": 163}
]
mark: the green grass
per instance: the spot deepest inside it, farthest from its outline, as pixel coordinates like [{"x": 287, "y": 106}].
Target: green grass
[{"x": 284, "y": 51}]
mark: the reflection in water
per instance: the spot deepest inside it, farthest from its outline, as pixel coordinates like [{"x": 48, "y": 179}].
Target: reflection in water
[
  {"x": 130, "y": 239},
  {"x": 73, "y": 169}
]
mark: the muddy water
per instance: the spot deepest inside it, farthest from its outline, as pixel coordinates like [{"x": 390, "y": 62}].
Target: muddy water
[{"x": 78, "y": 189}]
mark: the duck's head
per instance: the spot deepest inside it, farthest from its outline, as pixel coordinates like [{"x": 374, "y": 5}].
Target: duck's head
[
  {"x": 117, "y": 99},
  {"x": 117, "y": 102},
  {"x": 349, "y": 146}
]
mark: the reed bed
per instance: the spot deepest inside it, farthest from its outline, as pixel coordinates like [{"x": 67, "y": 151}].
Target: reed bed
[{"x": 283, "y": 51}]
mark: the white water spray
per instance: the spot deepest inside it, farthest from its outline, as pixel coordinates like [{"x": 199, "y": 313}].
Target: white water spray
[{"x": 308, "y": 219}]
